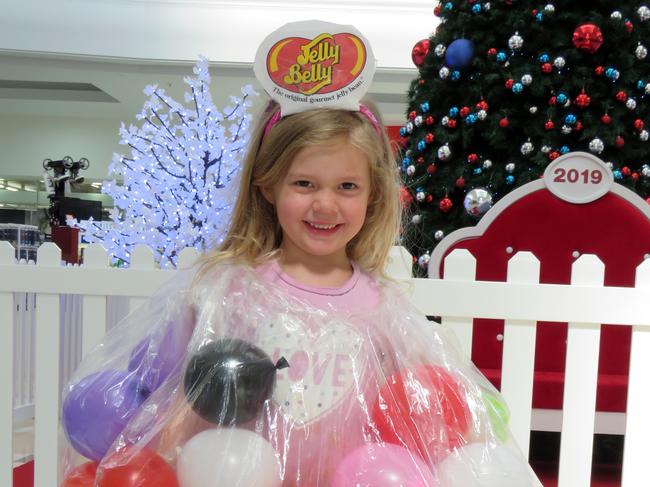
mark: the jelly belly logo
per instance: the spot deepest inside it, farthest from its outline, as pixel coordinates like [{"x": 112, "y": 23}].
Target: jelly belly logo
[{"x": 324, "y": 64}]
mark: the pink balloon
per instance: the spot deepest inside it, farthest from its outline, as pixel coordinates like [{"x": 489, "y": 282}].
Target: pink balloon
[{"x": 383, "y": 465}]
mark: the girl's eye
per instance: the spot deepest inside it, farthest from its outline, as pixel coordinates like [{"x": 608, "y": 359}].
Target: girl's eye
[
  {"x": 303, "y": 184},
  {"x": 348, "y": 186}
]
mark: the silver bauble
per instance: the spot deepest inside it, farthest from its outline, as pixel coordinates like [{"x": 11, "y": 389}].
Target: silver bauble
[
  {"x": 630, "y": 103},
  {"x": 641, "y": 51},
  {"x": 418, "y": 120},
  {"x": 559, "y": 62},
  {"x": 481, "y": 114},
  {"x": 645, "y": 170},
  {"x": 444, "y": 153},
  {"x": 616, "y": 15},
  {"x": 549, "y": 8},
  {"x": 566, "y": 129},
  {"x": 527, "y": 148},
  {"x": 423, "y": 260},
  {"x": 420, "y": 196},
  {"x": 416, "y": 219},
  {"x": 477, "y": 202},
  {"x": 643, "y": 12},
  {"x": 410, "y": 171},
  {"x": 439, "y": 235},
  {"x": 643, "y": 136},
  {"x": 487, "y": 164},
  {"x": 526, "y": 79},
  {"x": 444, "y": 121},
  {"x": 444, "y": 72},
  {"x": 510, "y": 167},
  {"x": 515, "y": 42},
  {"x": 533, "y": 110},
  {"x": 596, "y": 146},
  {"x": 440, "y": 50}
]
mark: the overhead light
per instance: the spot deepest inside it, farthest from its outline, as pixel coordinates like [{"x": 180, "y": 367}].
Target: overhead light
[
  {"x": 10, "y": 188},
  {"x": 96, "y": 185}
]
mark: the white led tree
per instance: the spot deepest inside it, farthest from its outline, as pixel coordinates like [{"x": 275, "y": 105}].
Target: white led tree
[{"x": 179, "y": 182}]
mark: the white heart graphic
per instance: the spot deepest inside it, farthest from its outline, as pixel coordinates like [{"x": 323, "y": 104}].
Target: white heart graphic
[{"x": 322, "y": 366}]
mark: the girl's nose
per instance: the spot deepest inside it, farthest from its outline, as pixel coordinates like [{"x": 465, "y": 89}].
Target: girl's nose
[{"x": 324, "y": 202}]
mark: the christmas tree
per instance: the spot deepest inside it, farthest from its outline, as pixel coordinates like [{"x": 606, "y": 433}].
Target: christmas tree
[
  {"x": 507, "y": 86},
  {"x": 179, "y": 182}
]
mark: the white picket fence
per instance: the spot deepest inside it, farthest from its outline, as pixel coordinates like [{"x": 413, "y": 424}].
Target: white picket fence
[{"x": 521, "y": 301}]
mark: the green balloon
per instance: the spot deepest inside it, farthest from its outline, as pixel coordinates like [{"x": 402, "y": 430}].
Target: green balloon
[{"x": 498, "y": 415}]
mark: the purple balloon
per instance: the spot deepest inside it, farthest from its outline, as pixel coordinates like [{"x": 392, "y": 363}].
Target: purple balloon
[
  {"x": 154, "y": 359},
  {"x": 97, "y": 409},
  {"x": 384, "y": 465}
]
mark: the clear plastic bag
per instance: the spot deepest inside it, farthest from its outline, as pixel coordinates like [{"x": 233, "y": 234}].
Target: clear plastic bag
[{"x": 229, "y": 381}]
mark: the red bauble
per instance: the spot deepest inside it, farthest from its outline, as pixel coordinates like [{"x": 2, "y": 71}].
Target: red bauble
[
  {"x": 423, "y": 408},
  {"x": 588, "y": 37},
  {"x": 136, "y": 468},
  {"x": 547, "y": 68},
  {"x": 464, "y": 112},
  {"x": 620, "y": 142},
  {"x": 437, "y": 10},
  {"x": 578, "y": 126},
  {"x": 451, "y": 123},
  {"x": 492, "y": 52},
  {"x": 81, "y": 476},
  {"x": 460, "y": 183},
  {"x": 429, "y": 138},
  {"x": 504, "y": 122},
  {"x": 606, "y": 119},
  {"x": 412, "y": 115},
  {"x": 629, "y": 27},
  {"x": 482, "y": 105},
  {"x": 552, "y": 100},
  {"x": 405, "y": 196},
  {"x": 549, "y": 125},
  {"x": 445, "y": 204},
  {"x": 638, "y": 125},
  {"x": 472, "y": 158},
  {"x": 647, "y": 200},
  {"x": 429, "y": 198},
  {"x": 509, "y": 83},
  {"x": 599, "y": 70},
  {"x": 419, "y": 160},
  {"x": 583, "y": 100},
  {"x": 635, "y": 176},
  {"x": 421, "y": 82},
  {"x": 419, "y": 52},
  {"x": 621, "y": 96},
  {"x": 429, "y": 120},
  {"x": 626, "y": 171},
  {"x": 553, "y": 155},
  {"x": 431, "y": 169}
]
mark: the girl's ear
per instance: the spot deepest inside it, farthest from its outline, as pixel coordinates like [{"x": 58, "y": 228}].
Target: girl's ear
[{"x": 268, "y": 195}]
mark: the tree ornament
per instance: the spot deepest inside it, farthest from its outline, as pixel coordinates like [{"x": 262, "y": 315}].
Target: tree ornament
[
  {"x": 616, "y": 15},
  {"x": 645, "y": 171},
  {"x": 444, "y": 121},
  {"x": 481, "y": 114},
  {"x": 527, "y": 148},
  {"x": 630, "y": 103},
  {"x": 444, "y": 152},
  {"x": 626, "y": 171},
  {"x": 638, "y": 125},
  {"x": 547, "y": 68},
  {"x": 445, "y": 205},
  {"x": 570, "y": 119},
  {"x": 410, "y": 170},
  {"x": 420, "y": 196},
  {"x": 621, "y": 96},
  {"x": 588, "y": 38},
  {"x": 517, "y": 88},
  {"x": 464, "y": 112},
  {"x": 510, "y": 167},
  {"x": 553, "y": 155},
  {"x": 429, "y": 137},
  {"x": 492, "y": 52},
  {"x": 416, "y": 219},
  {"x": 596, "y": 146},
  {"x": 429, "y": 120},
  {"x": 440, "y": 50},
  {"x": 502, "y": 57},
  {"x": 438, "y": 235},
  {"x": 444, "y": 72},
  {"x": 583, "y": 100},
  {"x": 546, "y": 149},
  {"x": 417, "y": 121},
  {"x": 561, "y": 98},
  {"x": 559, "y": 62},
  {"x": 509, "y": 83},
  {"x": 510, "y": 180},
  {"x": 549, "y": 125},
  {"x": 566, "y": 130},
  {"x": 641, "y": 51},
  {"x": 629, "y": 26},
  {"x": 549, "y": 8},
  {"x": 619, "y": 142},
  {"x": 431, "y": 169},
  {"x": 460, "y": 182},
  {"x": 643, "y": 136},
  {"x": 472, "y": 158},
  {"x": 420, "y": 52},
  {"x": 460, "y": 54},
  {"x": 452, "y": 123},
  {"x": 477, "y": 202},
  {"x": 599, "y": 70},
  {"x": 487, "y": 164},
  {"x": 606, "y": 119},
  {"x": 515, "y": 42},
  {"x": 578, "y": 126},
  {"x": 420, "y": 160},
  {"x": 612, "y": 73},
  {"x": 526, "y": 79},
  {"x": 643, "y": 12},
  {"x": 482, "y": 105},
  {"x": 504, "y": 122},
  {"x": 437, "y": 10},
  {"x": 423, "y": 260}
]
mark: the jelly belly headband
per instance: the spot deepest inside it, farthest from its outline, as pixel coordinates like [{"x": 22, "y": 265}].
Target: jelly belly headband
[{"x": 313, "y": 64}]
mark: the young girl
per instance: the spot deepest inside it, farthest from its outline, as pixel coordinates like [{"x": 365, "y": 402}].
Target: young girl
[{"x": 287, "y": 358}]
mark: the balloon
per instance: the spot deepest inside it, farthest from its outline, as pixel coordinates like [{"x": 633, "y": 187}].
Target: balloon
[
  {"x": 459, "y": 54},
  {"x": 225, "y": 457},
  {"x": 498, "y": 414},
  {"x": 154, "y": 358},
  {"x": 98, "y": 408},
  {"x": 484, "y": 465},
  {"x": 227, "y": 381},
  {"x": 81, "y": 476},
  {"x": 385, "y": 465},
  {"x": 129, "y": 467},
  {"x": 424, "y": 409}
]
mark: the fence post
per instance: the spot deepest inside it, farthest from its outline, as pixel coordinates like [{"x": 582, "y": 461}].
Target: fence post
[
  {"x": 46, "y": 376},
  {"x": 580, "y": 380},
  {"x": 94, "y": 307},
  {"x": 637, "y": 427},
  {"x": 141, "y": 258},
  {"x": 519, "y": 355},
  {"x": 460, "y": 265},
  {"x": 7, "y": 257}
]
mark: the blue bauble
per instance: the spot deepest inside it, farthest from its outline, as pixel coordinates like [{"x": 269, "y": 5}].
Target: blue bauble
[
  {"x": 422, "y": 145},
  {"x": 403, "y": 132},
  {"x": 476, "y": 8},
  {"x": 510, "y": 179},
  {"x": 459, "y": 54},
  {"x": 517, "y": 88},
  {"x": 617, "y": 175},
  {"x": 564, "y": 149},
  {"x": 502, "y": 57},
  {"x": 544, "y": 58}
]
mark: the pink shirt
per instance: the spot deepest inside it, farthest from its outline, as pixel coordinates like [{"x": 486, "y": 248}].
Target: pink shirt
[{"x": 358, "y": 295}]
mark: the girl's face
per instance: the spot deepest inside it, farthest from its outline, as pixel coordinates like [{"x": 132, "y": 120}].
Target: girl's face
[{"x": 321, "y": 202}]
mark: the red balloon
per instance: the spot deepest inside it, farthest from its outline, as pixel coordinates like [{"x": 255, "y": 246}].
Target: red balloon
[
  {"x": 81, "y": 476},
  {"x": 131, "y": 468},
  {"x": 419, "y": 52},
  {"x": 424, "y": 409},
  {"x": 588, "y": 37}
]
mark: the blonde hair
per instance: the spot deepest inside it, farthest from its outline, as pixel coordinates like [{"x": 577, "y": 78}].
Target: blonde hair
[{"x": 255, "y": 234}]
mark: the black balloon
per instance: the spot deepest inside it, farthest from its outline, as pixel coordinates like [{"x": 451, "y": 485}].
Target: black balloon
[{"x": 227, "y": 382}]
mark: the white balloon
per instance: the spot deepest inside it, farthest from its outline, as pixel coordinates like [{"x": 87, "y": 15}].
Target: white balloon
[
  {"x": 228, "y": 457},
  {"x": 481, "y": 465}
]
